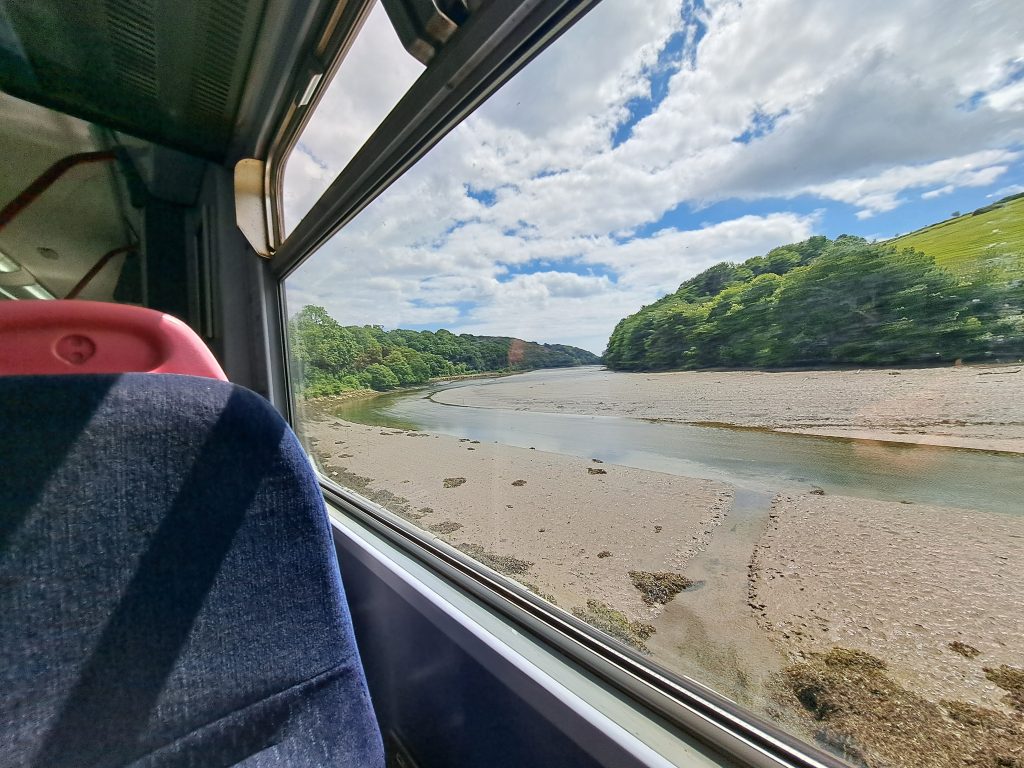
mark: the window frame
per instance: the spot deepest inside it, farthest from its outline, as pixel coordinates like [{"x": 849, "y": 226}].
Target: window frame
[
  {"x": 317, "y": 71},
  {"x": 491, "y": 47}
]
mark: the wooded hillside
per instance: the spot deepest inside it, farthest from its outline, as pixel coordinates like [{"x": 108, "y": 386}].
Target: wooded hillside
[
  {"x": 823, "y": 302},
  {"x": 329, "y": 358}
]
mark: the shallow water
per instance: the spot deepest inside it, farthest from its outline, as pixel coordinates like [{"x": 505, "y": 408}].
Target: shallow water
[{"x": 758, "y": 460}]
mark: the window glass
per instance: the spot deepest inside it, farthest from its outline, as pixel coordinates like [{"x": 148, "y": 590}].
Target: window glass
[
  {"x": 793, "y": 232},
  {"x": 375, "y": 74}
]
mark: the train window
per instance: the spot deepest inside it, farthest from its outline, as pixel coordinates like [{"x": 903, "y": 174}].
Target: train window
[
  {"x": 375, "y": 73},
  {"x": 707, "y": 328}
]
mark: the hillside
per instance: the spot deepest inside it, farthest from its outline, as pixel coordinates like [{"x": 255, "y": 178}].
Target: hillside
[
  {"x": 330, "y": 358},
  {"x": 990, "y": 236},
  {"x": 828, "y": 303}
]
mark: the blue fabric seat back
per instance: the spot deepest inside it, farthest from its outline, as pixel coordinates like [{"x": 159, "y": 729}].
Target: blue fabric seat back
[{"x": 169, "y": 591}]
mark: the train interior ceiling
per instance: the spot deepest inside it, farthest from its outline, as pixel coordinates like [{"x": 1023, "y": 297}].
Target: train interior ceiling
[{"x": 98, "y": 214}]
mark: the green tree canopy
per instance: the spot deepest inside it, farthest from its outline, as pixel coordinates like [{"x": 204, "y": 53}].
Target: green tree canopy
[
  {"x": 823, "y": 302},
  {"x": 329, "y": 358}
]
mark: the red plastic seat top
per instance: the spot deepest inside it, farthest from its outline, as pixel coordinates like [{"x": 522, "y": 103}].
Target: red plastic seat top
[{"x": 40, "y": 338}]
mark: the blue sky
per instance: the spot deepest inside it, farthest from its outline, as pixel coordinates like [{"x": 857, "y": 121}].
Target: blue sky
[{"x": 643, "y": 147}]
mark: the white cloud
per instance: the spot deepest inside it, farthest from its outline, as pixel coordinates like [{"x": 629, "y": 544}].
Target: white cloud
[
  {"x": 1013, "y": 189},
  {"x": 933, "y": 193},
  {"x": 648, "y": 268},
  {"x": 880, "y": 193},
  {"x": 1009, "y": 98},
  {"x": 581, "y": 322},
  {"x": 375, "y": 74},
  {"x": 661, "y": 262},
  {"x": 543, "y": 286},
  {"x": 401, "y": 286}
]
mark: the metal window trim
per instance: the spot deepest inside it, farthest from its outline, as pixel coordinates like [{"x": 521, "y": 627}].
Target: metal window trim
[
  {"x": 289, "y": 35},
  {"x": 697, "y": 710},
  {"x": 275, "y": 297},
  {"x": 492, "y": 46},
  {"x": 321, "y": 66}
]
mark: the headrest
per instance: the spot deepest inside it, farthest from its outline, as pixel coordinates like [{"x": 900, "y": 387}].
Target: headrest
[{"x": 53, "y": 337}]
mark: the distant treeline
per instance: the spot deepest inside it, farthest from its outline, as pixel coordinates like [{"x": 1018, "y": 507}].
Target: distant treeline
[
  {"x": 331, "y": 358},
  {"x": 825, "y": 302}
]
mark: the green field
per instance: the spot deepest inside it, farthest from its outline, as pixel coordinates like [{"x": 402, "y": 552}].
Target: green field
[{"x": 990, "y": 236}]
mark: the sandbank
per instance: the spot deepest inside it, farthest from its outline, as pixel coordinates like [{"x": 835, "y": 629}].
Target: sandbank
[{"x": 975, "y": 406}]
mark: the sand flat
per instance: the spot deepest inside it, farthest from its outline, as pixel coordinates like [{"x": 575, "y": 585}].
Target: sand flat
[
  {"x": 560, "y": 519},
  {"x": 900, "y": 582},
  {"x": 975, "y": 406}
]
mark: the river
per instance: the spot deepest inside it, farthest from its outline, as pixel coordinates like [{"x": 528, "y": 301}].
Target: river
[{"x": 758, "y": 460}]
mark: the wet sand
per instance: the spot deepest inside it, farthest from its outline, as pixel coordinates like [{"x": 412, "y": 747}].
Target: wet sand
[
  {"x": 970, "y": 406},
  {"x": 579, "y": 538},
  {"x": 560, "y": 519},
  {"x": 710, "y": 633}
]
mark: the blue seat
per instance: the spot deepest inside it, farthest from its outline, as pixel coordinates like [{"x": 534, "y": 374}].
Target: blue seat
[{"x": 169, "y": 592}]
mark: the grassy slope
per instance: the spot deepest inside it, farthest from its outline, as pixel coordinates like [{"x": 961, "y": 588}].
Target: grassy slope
[{"x": 971, "y": 240}]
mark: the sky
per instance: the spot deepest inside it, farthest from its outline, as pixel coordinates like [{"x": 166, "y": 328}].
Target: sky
[{"x": 656, "y": 139}]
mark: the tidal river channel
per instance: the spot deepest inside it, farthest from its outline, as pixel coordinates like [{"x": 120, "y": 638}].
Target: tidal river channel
[{"x": 756, "y": 460}]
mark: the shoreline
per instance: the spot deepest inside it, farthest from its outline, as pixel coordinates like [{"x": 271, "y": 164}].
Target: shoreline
[
  {"x": 1011, "y": 447},
  {"x": 560, "y": 499},
  {"x": 470, "y": 376},
  {"x": 938, "y": 442},
  {"x": 838, "y": 368},
  {"x": 923, "y": 433},
  {"x": 353, "y": 394},
  {"x": 951, "y": 407}
]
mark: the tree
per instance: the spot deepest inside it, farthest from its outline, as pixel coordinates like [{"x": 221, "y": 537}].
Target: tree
[
  {"x": 397, "y": 364},
  {"x": 871, "y": 304},
  {"x": 674, "y": 338},
  {"x": 380, "y": 377},
  {"x": 320, "y": 342}
]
